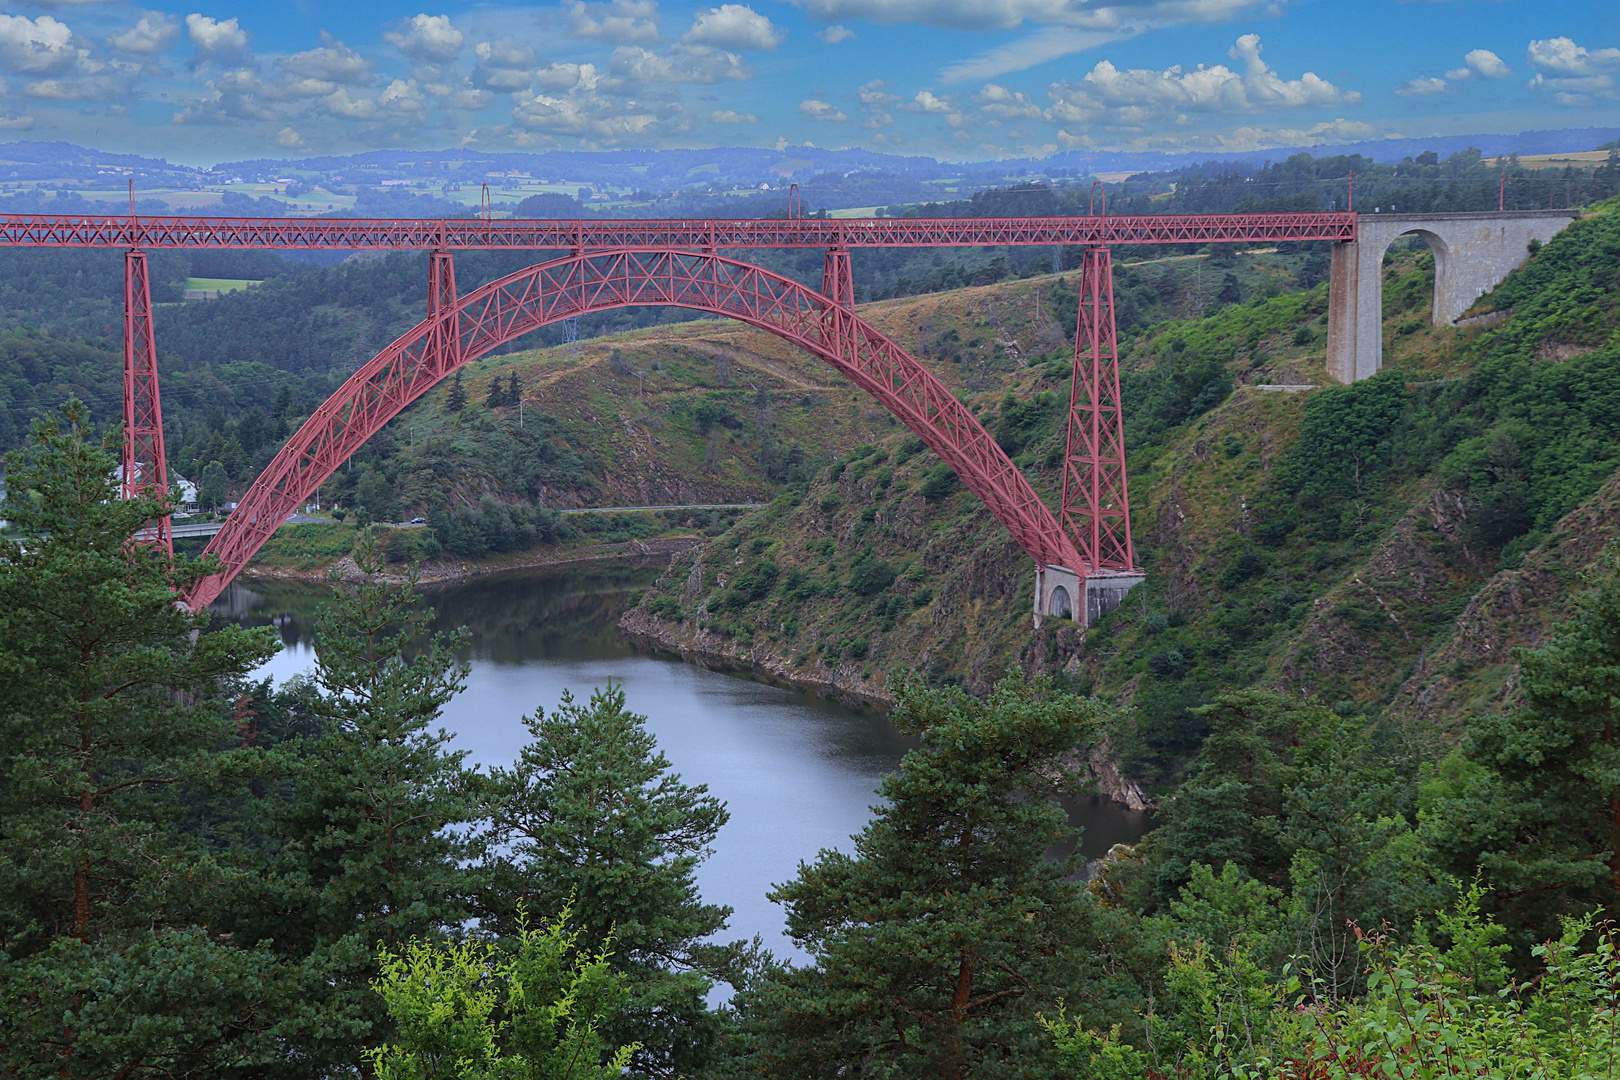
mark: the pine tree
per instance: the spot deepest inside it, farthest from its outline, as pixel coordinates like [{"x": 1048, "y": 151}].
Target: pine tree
[
  {"x": 373, "y": 845},
  {"x": 947, "y": 933},
  {"x": 497, "y": 394},
  {"x": 514, "y": 391},
  {"x": 457, "y": 399},
  {"x": 1533, "y": 799},
  {"x": 112, "y": 713},
  {"x": 213, "y": 486},
  {"x": 590, "y": 813},
  {"x": 1233, "y": 806}
]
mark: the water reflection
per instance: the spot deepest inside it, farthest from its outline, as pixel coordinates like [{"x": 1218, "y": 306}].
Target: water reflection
[{"x": 798, "y": 773}]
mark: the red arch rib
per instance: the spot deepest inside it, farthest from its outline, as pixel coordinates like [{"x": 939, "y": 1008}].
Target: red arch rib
[{"x": 531, "y": 298}]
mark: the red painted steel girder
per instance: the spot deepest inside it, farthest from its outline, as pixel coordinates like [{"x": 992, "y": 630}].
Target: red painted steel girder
[
  {"x": 1096, "y": 507},
  {"x": 146, "y": 470},
  {"x": 521, "y": 302},
  {"x": 344, "y": 234}
]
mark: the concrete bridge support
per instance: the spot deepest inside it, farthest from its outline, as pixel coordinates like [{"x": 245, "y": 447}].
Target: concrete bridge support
[
  {"x": 1473, "y": 253},
  {"x": 1060, "y": 594}
]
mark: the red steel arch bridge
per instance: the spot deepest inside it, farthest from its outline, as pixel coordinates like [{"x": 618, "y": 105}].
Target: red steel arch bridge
[{"x": 1083, "y": 554}]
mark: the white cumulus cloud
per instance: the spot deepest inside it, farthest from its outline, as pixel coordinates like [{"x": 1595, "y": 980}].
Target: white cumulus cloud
[
  {"x": 403, "y": 96},
  {"x": 1137, "y": 96},
  {"x": 1573, "y": 74},
  {"x": 428, "y": 38},
  {"x": 597, "y": 119},
  {"x": 620, "y": 22},
  {"x": 216, "y": 37},
  {"x": 821, "y": 110},
  {"x": 834, "y": 34},
  {"x": 1001, "y": 103},
  {"x": 503, "y": 65},
  {"x": 1480, "y": 63},
  {"x": 41, "y": 46},
  {"x": 1561, "y": 56},
  {"x": 732, "y": 116},
  {"x": 342, "y": 103},
  {"x": 1010, "y": 14},
  {"x": 682, "y": 64},
  {"x": 733, "y": 26},
  {"x": 558, "y": 77},
  {"x": 332, "y": 62},
  {"x": 929, "y": 103},
  {"x": 152, "y": 33},
  {"x": 1427, "y": 86}
]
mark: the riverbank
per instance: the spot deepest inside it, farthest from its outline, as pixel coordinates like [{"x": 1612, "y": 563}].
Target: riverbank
[
  {"x": 652, "y": 551},
  {"x": 851, "y": 684}
]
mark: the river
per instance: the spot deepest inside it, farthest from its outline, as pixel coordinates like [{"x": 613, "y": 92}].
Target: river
[{"x": 797, "y": 772}]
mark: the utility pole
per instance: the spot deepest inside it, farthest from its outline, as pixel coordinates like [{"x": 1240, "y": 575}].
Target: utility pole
[{"x": 1501, "y": 192}]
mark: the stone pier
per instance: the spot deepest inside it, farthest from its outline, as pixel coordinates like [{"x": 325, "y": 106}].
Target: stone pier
[
  {"x": 1473, "y": 253},
  {"x": 1059, "y": 594}
]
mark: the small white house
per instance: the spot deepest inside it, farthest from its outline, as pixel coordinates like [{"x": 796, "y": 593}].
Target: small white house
[{"x": 188, "y": 490}]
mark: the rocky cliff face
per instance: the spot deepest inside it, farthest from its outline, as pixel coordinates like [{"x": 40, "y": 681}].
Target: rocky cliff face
[
  {"x": 1375, "y": 599},
  {"x": 1472, "y": 669}
]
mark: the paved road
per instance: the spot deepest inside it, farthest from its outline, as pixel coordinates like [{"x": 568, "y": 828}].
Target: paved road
[{"x": 209, "y": 528}]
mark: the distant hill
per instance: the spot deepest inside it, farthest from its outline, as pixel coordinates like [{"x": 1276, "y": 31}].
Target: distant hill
[
  {"x": 730, "y": 166},
  {"x": 26, "y": 160}
]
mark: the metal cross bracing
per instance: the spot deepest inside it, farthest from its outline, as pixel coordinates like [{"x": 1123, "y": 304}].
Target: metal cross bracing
[
  {"x": 531, "y": 298},
  {"x": 1090, "y": 534},
  {"x": 348, "y": 234},
  {"x": 1096, "y": 506},
  {"x": 145, "y": 467}
]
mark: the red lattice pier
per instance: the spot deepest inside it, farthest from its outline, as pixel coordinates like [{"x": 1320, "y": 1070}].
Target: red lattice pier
[{"x": 1083, "y": 554}]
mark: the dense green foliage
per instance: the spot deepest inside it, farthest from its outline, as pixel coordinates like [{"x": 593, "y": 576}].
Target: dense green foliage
[
  {"x": 200, "y": 872},
  {"x": 1514, "y": 440},
  {"x": 591, "y": 815},
  {"x": 1432, "y": 1009},
  {"x": 1532, "y": 798},
  {"x": 943, "y": 936},
  {"x": 528, "y": 1008},
  {"x": 112, "y": 714},
  {"x": 240, "y": 881}
]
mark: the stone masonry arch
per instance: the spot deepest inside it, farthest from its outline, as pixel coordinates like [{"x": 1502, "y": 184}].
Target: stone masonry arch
[{"x": 1473, "y": 253}]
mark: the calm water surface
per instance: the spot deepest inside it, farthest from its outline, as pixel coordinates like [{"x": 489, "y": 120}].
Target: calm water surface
[{"x": 798, "y": 773}]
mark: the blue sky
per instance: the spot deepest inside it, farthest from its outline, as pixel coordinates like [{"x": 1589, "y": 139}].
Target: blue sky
[{"x": 957, "y": 79}]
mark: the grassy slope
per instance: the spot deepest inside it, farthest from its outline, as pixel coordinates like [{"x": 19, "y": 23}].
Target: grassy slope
[{"x": 1362, "y": 616}]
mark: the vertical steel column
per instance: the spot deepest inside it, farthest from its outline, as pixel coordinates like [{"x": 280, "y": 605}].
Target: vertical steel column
[
  {"x": 446, "y": 347},
  {"x": 1096, "y": 508},
  {"x": 146, "y": 471},
  {"x": 838, "y": 285},
  {"x": 837, "y": 282}
]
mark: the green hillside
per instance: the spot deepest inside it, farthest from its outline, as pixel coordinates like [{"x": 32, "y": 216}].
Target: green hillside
[{"x": 1324, "y": 542}]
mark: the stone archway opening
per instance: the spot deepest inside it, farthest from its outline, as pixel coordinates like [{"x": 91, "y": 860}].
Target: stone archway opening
[
  {"x": 1059, "y": 605},
  {"x": 1473, "y": 253},
  {"x": 1413, "y": 265}
]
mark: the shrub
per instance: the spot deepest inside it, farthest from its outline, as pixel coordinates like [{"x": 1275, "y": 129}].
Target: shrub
[
  {"x": 1247, "y": 565},
  {"x": 939, "y": 483},
  {"x": 665, "y": 607},
  {"x": 869, "y": 576}
]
